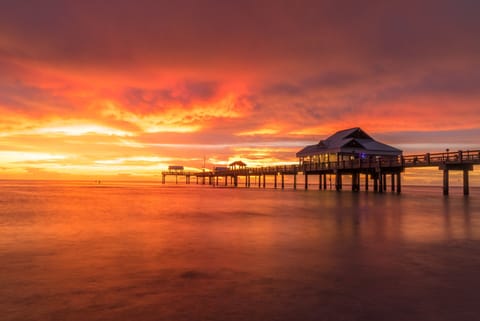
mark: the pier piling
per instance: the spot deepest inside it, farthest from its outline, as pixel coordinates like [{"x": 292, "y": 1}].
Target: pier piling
[
  {"x": 338, "y": 181},
  {"x": 465, "y": 182},
  {"x": 445, "y": 182}
]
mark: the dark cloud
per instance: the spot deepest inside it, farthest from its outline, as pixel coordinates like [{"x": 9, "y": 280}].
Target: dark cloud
[
  {"x": 210, "y": 33},
  {"x": 199, "y": 90},
  {"x": 140, "y": 96},
  {"x": 283, "y": 89},
  {"x": 35, "y": 101},
  {"x": 332, "y": 80},
  {"x": 466, "y": 136},
  {"x": 144, "y": 100}
]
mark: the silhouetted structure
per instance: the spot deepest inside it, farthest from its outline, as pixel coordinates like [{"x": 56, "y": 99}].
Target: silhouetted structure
[
  {"x": 355, "y": 146},
  {"x": 350, "y": 152},
  {"x": 347, "y": 144},
  {"x": 177, "y": 170},
  {"x": 237, "y": 165}
]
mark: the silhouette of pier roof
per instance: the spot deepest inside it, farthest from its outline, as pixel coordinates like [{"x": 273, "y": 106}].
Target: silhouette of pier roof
[
  {"x": 347, "y": 141},
  {"x": 238, "y": 163}
]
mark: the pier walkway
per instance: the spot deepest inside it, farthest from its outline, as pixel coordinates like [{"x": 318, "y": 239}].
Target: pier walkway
[{"x": 376, "y": 170}]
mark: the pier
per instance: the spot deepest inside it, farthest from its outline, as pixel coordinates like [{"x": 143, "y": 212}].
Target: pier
[
  {"x": 177, "y": 171},
  {"x": 346, "y": 153},
  {"x": 379, "y": 173}
]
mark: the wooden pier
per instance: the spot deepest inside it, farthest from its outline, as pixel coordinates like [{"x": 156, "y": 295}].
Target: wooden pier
[
  {"x": 375, "y": 171},
  {"x": 177, "y": 171}
]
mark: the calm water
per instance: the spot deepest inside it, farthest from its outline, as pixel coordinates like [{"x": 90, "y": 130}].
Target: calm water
[{"x": 78, "y": 251}]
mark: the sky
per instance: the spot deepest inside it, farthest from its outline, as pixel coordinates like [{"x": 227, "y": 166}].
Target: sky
[{"x": 122, "y": 89}]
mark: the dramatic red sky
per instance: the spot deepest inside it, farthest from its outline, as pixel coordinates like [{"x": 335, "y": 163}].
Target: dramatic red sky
[{"x": 125, "y": 88}]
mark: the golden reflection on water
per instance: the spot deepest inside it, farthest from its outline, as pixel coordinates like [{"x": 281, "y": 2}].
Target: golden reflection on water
[{"x": 144, "y": 252}]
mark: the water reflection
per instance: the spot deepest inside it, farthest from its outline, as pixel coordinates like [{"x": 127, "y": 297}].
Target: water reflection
[{"x": 121, "y": 252}]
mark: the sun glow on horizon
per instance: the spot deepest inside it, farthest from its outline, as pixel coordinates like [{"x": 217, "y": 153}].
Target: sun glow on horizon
[
  {"x": 17, "y": 156},
  {"x": 79, "y": 130},
  {"x": 262, "y": 131}
]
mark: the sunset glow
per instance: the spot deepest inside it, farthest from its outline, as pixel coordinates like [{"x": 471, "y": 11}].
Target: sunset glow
[{"x": 92, "y": 89}]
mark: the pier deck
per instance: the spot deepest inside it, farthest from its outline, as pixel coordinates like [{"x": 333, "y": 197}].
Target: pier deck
[{"x": 376, "y": 170}]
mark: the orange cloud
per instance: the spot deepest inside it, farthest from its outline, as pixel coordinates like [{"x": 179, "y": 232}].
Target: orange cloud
[{"x": 128, "y": 90}]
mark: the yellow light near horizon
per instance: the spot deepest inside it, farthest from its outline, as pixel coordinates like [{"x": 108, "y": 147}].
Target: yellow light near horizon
[
  {"x": 262, "y": 131},
  {"x": 69, "y": 127},
  {"x": 171, "y": 129},
  {"x": 78, "y": 130},
  {"x": 122, "y": 160},
  {"x": 17, "y": 157}
]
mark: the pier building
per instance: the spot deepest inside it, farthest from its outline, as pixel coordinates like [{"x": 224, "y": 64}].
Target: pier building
[
  {"x": 345, "y": 145},
  {"x": 354, "y": 153}
]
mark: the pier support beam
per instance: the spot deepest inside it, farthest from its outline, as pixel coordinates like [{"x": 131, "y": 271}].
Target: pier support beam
[
  {"x": 325, "y": 181},
  {"x": 306, "y": 180},
  {"x": 445, "y": 182},
  {"x": 235, "y": 180},
  {"x": 320, "y": 181},
  {"x": 465, "y": 182},
  {"x": 366, "y": 181},
  {"x": 392, "y": 182},
  {"x": 283, "y": 181},
  {"x": 264, "y": 180},
  {"x": 459, "y": 167},
  {"x": 399, "y": 183},
  {"x": 338, "y": 181},
  {"x": 380, "y": 182},
  {"x": 355, "y": 182},
  {"x": 294, "y": 181},
  {"x": 275, "y": 180}
]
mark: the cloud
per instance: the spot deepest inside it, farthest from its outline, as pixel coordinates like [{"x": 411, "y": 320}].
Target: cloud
[{"x": 104, "y": 80}]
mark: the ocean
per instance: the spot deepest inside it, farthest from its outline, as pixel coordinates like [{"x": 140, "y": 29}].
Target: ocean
[{"x": 146, "y": 251}]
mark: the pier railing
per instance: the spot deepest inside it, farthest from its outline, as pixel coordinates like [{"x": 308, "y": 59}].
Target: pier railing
[
  {"x": 437, "y": 159},
  {"x": 263, "y": 170},
  {"x": 375, "y": 168},
  {"x": 416, "y": 160}
]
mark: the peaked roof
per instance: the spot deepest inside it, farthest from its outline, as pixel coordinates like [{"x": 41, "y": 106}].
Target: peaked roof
[
  {"x": 349, "y": 141},
  {"x": 238, "y": 163}
]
